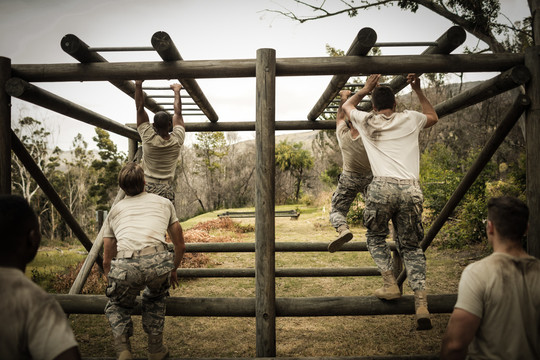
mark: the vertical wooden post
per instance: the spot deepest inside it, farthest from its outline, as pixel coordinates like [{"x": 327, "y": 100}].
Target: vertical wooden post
[
  {"x": 265, "y": 277},
  {"x": 132, "y": 149},
  {"x": 532, "y": 133},
  {"x": 5, "y": 128}
]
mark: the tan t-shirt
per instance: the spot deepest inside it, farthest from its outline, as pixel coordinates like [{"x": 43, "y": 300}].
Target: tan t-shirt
[
  {"x": 352, "y": 150},
  {"x": 34, "y": 325},
  {"x": 391, "y": 141},
  {"x": 159, "y": 155},
  {"x": 504, "y": 291},
  {"x": 139, "y": 221}
]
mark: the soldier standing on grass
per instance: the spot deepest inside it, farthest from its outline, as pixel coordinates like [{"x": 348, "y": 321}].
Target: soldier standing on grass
[
  {"x": 161, "y": 148},
  {"x": 391, "y": 142},
  {"x": 354, "y": 178},
  {"x": 136, "y": 257}
]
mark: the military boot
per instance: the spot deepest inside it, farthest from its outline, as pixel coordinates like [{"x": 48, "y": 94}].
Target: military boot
[
  {"x": 345, "y": 235},
  {"x": 390, "y": 289},
  {"x": 156, "y": 349},
  {"x": 122, "y": 347},
  {"x": 423, "y": 321}
]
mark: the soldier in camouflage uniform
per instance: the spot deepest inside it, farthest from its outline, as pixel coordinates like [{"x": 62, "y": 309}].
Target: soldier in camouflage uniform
[
  {"x": 136, "y": 258},
  {"x": 161, "y": 149},
  {"x": 354, "y": 178},
  {"x": 391, "y": 142}
]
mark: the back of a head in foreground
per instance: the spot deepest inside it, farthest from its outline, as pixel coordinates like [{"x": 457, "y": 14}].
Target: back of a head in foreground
[
  {"x": 17, "y": 219},
  {"x": 131, "y": 179},
  {"x": 510, "y": 216}
]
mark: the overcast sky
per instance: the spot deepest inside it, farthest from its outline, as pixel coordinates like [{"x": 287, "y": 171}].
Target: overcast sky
[{"x": 31, "y": 30}]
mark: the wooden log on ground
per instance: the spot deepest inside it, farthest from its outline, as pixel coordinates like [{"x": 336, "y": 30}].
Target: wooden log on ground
[
  {"x": 285, "y": 307},
  {"x": 25, "y": 91},
  {"x": 265, "y": 235},
  {"x": 40, "y": 178},
  {"x": 206, "y": 69},
  {"x": 79, "y": 50},
  {"x": 290, "y": 272},
  {"x": 516, "y": 76},
  {"x": 383, "y": 357},
  {"x": 5, "y": 128},
  {"x": 363, "y": 42},
  {"x": 532, "y": 140},
  {"x": 162, "y": 42},
  {"x": 279, "y": 247},
  {"x": 510, "y": 119}
]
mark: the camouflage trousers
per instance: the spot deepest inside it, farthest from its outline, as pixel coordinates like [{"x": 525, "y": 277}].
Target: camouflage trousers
[
  {"x": 127, "y": 278},
  {"x": 349, "y": 185},
  {"x": 401, "y": 202},
  {"x": 161, "y": 189}
]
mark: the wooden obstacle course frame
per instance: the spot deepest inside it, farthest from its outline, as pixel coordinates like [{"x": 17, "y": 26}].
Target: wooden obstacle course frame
[{"x": 265, "y": 68}]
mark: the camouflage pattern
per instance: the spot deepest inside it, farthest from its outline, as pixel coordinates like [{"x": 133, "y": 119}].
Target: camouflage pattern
[
  {"x": 127, "y": 278},
  {"x": 161, "y": 189},
  {"x": 349, "y": 185},
  {"x": 401, "y": 203}
]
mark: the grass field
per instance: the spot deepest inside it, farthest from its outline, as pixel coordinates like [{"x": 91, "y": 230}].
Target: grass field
[{"x": 190, "y": 337}]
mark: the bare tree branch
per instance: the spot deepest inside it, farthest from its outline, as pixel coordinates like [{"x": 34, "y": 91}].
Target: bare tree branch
[{"x": 485, "y": 34}]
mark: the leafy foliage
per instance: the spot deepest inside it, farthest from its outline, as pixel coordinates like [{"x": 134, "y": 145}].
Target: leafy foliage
[
  {"x": 441, "y": 170},
  {"x": 107, "y": 168},
  {"x": 292, "y": 158}
]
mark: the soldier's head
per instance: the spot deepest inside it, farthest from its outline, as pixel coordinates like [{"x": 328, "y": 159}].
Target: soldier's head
[
  {"x": 19, "y": 227},
  {"x": 131, "y": 179},
  {"x": 382, "y": 98},
  {"x": 510, "y": 218},
  {"x": 162, "y": 122}
]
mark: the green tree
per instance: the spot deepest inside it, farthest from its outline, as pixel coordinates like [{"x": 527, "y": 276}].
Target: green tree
[
  {"x": 107, "y": 168},
  {"x": 78, "y": 178},
  {"x": 210, "y": 149},
  {"x": 479, "y": 17},
  {"x": 295, "y": 160},
  {"x": 35, "y": 138}
]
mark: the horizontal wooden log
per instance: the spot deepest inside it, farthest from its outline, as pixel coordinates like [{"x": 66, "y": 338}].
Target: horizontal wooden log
[
  {"x": 345, "y": 65},
  {"x": 292, "y": 272},
  {"x": 250, "y": 126},
  {"x": 28, "y": 92},
  {"x": 510, "y": 79},
  {"x": 285, "y": 307},
  {"x": 362, "y": 44},
  {"x": 162, "y": 42},
  {"x": 280, "y": 247},
  {"x": 80, "y": 51},
  {"x": 446, "y": 43},
  {"x": 382, "y": 357}
]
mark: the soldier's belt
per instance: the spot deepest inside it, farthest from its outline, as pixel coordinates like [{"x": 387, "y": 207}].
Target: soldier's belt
[
  {"x": 128, "y": 254},
  {"x": 396, "y": 181},
  {"x": 156, "y": 181}
]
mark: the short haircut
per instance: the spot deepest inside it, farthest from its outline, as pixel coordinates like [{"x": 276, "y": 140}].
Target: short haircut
[
  {"x": 162, "y": 120},
  {"x": 383, "y": 97},
  {"x": 131, "y": 179},
  {"x": 510, "y": 216},
  {"x": 16, "y": 219}
]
